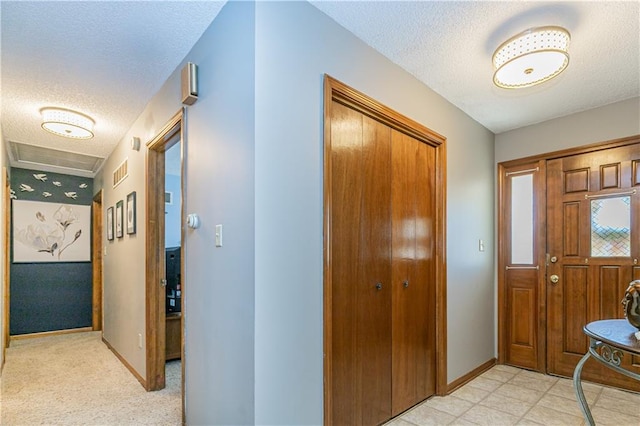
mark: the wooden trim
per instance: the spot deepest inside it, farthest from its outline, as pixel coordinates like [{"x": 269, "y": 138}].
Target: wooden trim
[
  {"x": 6, "y": 212},
  {"x": 334, "y": 90},
  {"x": 159, "y": 142},
  {"x": 441, "y": 269},
  {"x": 362, "y": 103},
  {"x": 461, "y": 381},
  {"x": 328, "y": 283},
  {"x": 538, "y": 170},
  {"x": 183, "y": 253},
  {"x": 154, "y": 249},
  {"x": 585, "y": 149},
  {"x": 540, "y": 234},
  {"x": 96, "y": 262},
  {"x": 125, "y": 363},
  {"x": 50, "y": 333},
  {"x": 502, "y": 350}
]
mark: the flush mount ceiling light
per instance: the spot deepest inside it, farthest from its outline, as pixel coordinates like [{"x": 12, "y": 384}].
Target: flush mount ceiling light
[
  {"x": 67, "y": 123},
  {"x": 531, "y": 57}
]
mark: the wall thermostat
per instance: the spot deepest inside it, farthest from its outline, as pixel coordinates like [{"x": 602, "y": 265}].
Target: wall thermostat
[{"x": 193, "y": 221}]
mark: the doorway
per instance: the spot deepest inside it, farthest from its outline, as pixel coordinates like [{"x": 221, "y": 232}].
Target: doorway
[
  {"x": 96, "y": 261},
  {"x": 569, "y": 232},
  {"x": 165, "y": 289},
  {"x": 6, "y": 241}
]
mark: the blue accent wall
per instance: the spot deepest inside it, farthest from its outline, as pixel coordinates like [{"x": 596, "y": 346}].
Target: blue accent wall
[{"x": 50, "y": 296}]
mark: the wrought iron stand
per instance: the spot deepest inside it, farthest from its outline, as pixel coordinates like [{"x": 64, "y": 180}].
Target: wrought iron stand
[{"x": 612, "y": 338}]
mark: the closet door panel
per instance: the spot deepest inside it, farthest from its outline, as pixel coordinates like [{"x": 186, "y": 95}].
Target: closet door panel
[
  {"x": 346, "y": 156},
  {"x": 403, "y": 207},
  {"x": 413, "y": 302},
  {"x": 423, "y": 293},
  {"x": 374, "y": 305},
  {"x": 360, "y": 256}
]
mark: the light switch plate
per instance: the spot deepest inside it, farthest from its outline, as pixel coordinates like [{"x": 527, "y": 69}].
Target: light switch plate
[{"x": 218, "y": 235}]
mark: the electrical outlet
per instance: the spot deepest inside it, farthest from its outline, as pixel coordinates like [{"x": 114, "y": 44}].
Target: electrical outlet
[{"x": 140, "y": 340}]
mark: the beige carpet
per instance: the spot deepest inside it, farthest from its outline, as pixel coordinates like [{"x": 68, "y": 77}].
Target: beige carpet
[{"x": 74, "y": 379}]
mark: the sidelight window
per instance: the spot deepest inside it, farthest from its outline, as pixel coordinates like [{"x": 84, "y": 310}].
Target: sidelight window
[
  {"x": 522, "y": 219},
  {"x": 611, "y": 227}
]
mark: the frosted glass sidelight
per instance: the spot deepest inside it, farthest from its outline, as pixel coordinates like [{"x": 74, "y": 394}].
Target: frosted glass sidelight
[
  {"x": 522, "y": 219},
  {"x": 611, "y": 227}
]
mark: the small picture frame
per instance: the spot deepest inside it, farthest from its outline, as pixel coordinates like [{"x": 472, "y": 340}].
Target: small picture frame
[
  {"x": 131, "y": 213},
  {"x": 119, "y": 218},
  {"x": 110, "y": 223}
]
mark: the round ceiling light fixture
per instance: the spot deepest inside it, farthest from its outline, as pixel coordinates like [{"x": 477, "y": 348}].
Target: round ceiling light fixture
[
  {"x": 531, "y": 57},
  {"x": 67, "y": 123}
]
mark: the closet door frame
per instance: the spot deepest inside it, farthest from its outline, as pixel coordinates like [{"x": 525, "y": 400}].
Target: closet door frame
[{"x": 337, "y": 91}]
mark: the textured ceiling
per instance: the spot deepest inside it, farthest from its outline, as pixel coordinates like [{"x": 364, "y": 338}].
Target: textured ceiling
[
  {"x": 108, "y": 58},
  {"x": 448, "y": 46},
  {"x": 104, "y": 59}
]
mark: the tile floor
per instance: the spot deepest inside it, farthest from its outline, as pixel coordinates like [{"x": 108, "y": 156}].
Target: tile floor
[{"x": 510, "y": 396}]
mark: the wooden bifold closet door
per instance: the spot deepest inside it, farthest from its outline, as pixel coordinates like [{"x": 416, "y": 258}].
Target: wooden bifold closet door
[{"x": 382, "y": 269}]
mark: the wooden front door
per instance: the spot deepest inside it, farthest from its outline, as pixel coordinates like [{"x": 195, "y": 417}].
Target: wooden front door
[{"x": 593, "y": 246}]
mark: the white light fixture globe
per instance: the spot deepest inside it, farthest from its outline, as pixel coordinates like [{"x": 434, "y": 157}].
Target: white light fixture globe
[
  {"x": 531, "y": 57},
  {"x": 67, "y": 123}
]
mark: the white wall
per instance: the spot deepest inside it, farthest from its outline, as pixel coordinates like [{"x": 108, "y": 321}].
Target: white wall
[
  {"x": 172, "y": 212},
  {"x": 614, "y": 121},
  {"x": 295, "y": 45},
  {"x": 124, "y": 258}
]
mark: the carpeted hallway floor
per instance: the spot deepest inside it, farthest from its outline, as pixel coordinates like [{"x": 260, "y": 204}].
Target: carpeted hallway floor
[{"x": 45, "y": 382}]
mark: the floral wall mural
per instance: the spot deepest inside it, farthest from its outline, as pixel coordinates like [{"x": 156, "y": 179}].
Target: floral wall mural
[
  {"x": 51, "y": 232},
  {"x": 51, "y": 269}
]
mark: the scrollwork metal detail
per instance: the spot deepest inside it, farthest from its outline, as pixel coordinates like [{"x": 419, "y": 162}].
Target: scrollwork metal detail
[{"x": 612, "y": 356}]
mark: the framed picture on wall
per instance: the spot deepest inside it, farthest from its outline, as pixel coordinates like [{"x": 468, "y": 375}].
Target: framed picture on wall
[
  {"x": 51, "y": 232},
  {"x": 110, "y": 224},
  {"x": 119, "y": 218},
  {"x": 131, "y": 213}
]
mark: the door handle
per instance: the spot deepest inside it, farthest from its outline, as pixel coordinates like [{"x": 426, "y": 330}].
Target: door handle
[
  {"x": 405, "y": 283},
  {"x": 379, "y": 286},
  {"x": 554, "y": 279},
  {"x": 163, "y": 282}
]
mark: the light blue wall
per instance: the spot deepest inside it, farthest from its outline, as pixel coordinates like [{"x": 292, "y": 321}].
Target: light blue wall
[
  {"x": 219, "y": 282},
  {"x": 253, "y": 158},
  {"x": 613, "y": 121},
  {"x": 172, "y": 218},
  {"x": 295, "y": 45},
  {"x": 219, "y": 286}
]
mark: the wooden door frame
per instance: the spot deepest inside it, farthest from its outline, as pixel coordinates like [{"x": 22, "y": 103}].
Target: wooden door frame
[
  {"x": 6, "y": 244},
  {"x": 541, "y": 241},
  {"x": 96, "y": 261},
  {"x": 154, "y": 252},
  {"x": 337, "y": 91},
  {"x": 538, "y": 169}
]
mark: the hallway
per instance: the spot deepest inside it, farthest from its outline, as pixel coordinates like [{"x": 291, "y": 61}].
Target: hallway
[{"x": 74, "y": 379}]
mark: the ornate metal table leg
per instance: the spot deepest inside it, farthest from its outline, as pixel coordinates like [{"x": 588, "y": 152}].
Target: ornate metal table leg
[{"x": 577, "y": 387}]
